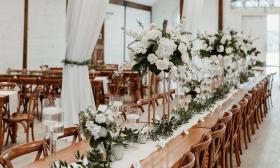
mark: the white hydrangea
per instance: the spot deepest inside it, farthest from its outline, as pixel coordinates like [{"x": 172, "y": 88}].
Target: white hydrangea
[{"x": 166, "y": 47}]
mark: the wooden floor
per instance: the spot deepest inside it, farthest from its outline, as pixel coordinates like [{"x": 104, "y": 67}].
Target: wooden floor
[{"x": 263, "y": 152}]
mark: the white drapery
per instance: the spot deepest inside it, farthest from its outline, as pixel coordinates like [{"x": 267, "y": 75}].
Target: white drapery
[
  {"x": 192, "y": 12},
  {"x": 84, "y": 22}
]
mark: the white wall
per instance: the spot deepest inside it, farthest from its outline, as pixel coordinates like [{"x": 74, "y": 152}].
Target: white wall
[
  {"x": 46, "y": 38},
  {"x": 11, "y": 34},
  {"x": 46, "y": 33},
  {"x": 165, "y": 9}
]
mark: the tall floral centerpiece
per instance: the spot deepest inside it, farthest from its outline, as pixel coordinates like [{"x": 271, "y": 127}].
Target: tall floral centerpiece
[
  {"x": 159, "y": 49},
  {"x": 249, "y": 56},
  {"x": 220, "y": 48}
]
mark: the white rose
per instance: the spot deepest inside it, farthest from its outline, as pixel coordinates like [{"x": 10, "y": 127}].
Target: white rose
[
  {"x": 152, "y": 58},
  {"x": 162, "y": 64},
  {"x": 223, "y": 40},
  {"x": 102, "y": 107},
  {"x": 210, "y": 48},
  {"x": 103, "y": 132},
  {"x": 100, "y": 118},
  {"x": 95, "y": 130},
  {"x": 197, "y": 90}
]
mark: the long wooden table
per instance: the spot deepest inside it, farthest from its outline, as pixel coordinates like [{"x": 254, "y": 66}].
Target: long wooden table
[{"x": 166, "y": 157}]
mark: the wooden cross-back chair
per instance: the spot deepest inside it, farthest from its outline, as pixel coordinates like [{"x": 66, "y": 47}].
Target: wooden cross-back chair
[
  {"x": 200, "y": 151},
  {"x": 25, "y": 119},
  {"x": 218, "y": 136},
  {"x": 37, "y": 146},
  {"x": 187, "y": 161},
  {"x": 227, "y": 120}
]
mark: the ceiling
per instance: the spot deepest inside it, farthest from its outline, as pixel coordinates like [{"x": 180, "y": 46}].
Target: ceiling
[{"x": 145, "y": 2}]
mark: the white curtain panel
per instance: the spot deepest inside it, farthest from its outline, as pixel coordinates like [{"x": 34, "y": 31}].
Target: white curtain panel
[
  {"x": 84, "y": 22},
  {"x": 192, "y": 12}
]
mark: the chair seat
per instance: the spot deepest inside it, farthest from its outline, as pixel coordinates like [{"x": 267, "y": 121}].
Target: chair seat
[{"x": 17, "y": 117}]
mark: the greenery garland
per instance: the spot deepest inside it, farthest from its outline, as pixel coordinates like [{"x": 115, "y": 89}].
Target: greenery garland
[{"x": 76, "y": 63}]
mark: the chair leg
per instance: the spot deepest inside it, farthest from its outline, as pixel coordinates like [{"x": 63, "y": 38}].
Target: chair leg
[
  {"x": 244, "y": 134},
  {"x": 231, "y": 153},
  {"x": 27, "y": 134},
  {"x": 32, "y": 132},
  {"x": 237, "y": 154},
  {"x": 8, "y": 135}
]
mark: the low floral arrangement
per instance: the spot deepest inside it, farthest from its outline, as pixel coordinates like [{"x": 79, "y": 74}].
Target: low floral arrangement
[{"x": 158, "y": 49}]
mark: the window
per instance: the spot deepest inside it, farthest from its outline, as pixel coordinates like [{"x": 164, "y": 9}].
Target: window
[{"x": 255, "y": 3}]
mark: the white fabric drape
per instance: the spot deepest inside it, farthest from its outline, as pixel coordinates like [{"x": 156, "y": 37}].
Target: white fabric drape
[
  {"x": 192, "y": 12},
  {"x": 84, "y": 22}
]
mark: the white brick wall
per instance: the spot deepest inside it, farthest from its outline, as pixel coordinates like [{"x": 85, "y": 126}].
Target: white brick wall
[{"x": 46, "y": 33}]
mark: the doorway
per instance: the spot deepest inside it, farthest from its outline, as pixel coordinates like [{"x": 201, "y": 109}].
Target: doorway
[{"x": 272, "y": 52}]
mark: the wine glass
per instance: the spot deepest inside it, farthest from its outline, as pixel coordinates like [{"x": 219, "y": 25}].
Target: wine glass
[{"x": 54, "y": 122}]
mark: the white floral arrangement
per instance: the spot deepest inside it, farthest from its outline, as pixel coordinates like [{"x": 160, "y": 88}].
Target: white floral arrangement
[
  {"x": 158, "y": 49},
  {"x": 190, "y": 81},
  {"x": 99, "y": 126}
]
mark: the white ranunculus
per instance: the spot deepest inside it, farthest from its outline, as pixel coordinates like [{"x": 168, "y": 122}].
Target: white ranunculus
[
  {"x": 187, "y": 89},
  {"x": 229, "y": 50},
  {"x": 221, "y": 48},
  {"x": 100, "y": 118},
  {"x": 228, "y": 37},
  {"x": 152, "y": 58},
  {"x": 166, "y": 47},
  {"x": 162, "y": 64},
  {"x": 210, "y": 48},
  {"x": 185, "y": 58},
  {"x": 102, "y": 107}
]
